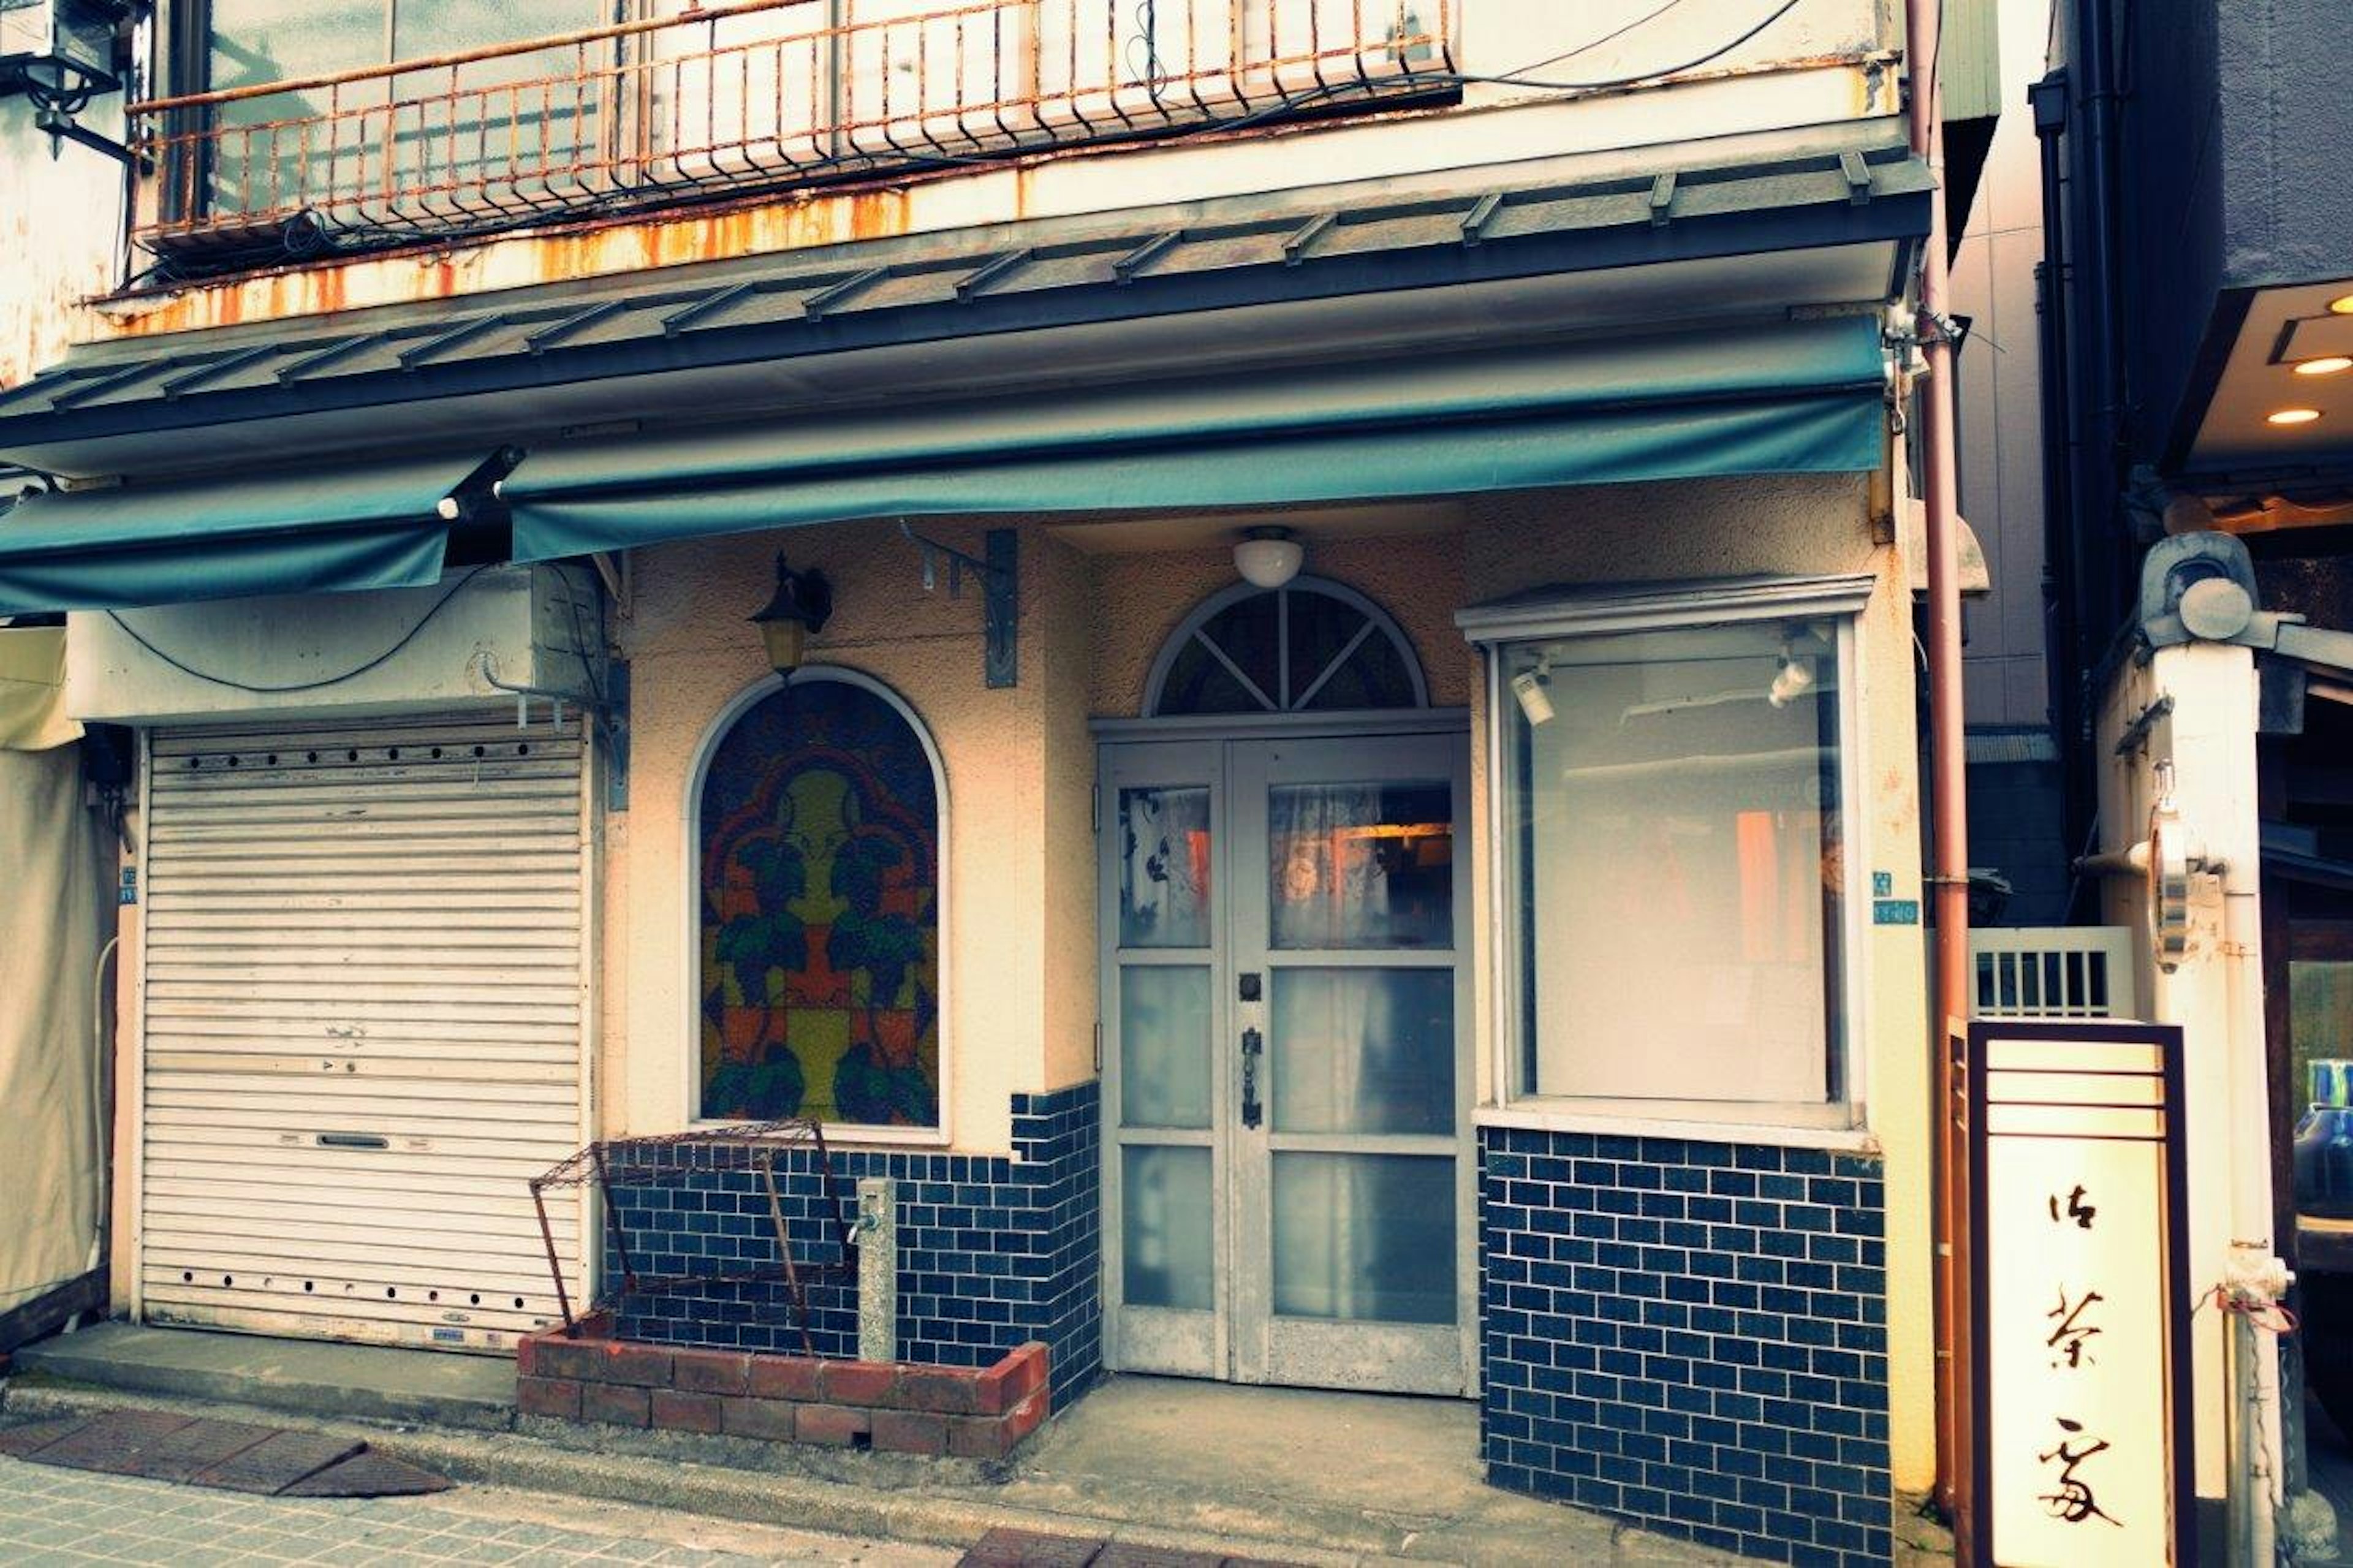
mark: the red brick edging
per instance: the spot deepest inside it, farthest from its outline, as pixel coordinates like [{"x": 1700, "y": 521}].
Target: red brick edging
[{"x": 972, "y": 1413}]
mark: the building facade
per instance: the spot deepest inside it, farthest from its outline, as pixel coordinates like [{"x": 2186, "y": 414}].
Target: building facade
[
  {"x": 1467, "y": 955},
  {"x": 2197, "y": 281}
]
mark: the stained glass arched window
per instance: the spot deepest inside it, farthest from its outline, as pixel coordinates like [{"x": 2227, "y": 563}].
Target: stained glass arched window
[
  {"x": 1310, "y": 646},
  {"x": 818, "y": 836}
]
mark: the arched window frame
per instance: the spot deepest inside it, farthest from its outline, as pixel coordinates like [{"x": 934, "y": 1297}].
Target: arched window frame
[
  {"x": 698, "y": 774},
  {"x": 1379, "y": 622}
]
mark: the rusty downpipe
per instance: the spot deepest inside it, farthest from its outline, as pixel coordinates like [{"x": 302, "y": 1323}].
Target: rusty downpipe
[{"x": 1948, "y": 870}]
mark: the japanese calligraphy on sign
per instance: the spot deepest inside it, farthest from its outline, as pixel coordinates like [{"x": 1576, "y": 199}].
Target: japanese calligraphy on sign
[{"x": 2078, "y": 1296}]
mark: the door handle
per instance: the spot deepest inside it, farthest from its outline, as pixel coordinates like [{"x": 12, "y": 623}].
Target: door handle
[{"x": 1254, "y": 1046}]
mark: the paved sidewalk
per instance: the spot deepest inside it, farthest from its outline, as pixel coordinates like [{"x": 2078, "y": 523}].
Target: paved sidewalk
[{"x": 50, "y": 1518}]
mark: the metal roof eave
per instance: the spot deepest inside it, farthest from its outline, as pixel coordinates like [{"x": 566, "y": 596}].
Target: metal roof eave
[{"x": 555, "y": 338}]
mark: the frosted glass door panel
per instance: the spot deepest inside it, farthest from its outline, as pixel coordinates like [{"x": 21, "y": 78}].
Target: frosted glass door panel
[
  {"x": 1364, "y": 1238},
  {"x": 1164, "y": 868},
  {"x": 1358, "y": 866},
  {"x": 1165, "y": 1236},
  {"x": 1364, "y": 1050},
  {"x": 1164, "y": 1046}
]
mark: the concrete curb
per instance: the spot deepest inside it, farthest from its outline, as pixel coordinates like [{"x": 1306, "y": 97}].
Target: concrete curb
[
  {"x": 760, "y": 1497},
  {"x": 70, "y": 1360}
]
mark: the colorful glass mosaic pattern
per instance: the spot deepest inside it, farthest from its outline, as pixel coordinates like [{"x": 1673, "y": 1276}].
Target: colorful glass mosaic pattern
[{"x": 819, "y": 930}]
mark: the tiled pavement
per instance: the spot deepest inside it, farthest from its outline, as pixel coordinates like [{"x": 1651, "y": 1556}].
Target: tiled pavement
[{"x": 54, "y": 1516}]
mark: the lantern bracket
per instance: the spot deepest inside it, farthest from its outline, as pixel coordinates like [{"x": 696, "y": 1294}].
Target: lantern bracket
[{"x": 1000, "y": 576}]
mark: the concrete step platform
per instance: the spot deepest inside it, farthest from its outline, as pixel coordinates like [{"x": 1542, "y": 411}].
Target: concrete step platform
[
  {"x": 1168, "y": 1470},
  {"x": 306, "y": 1377}
]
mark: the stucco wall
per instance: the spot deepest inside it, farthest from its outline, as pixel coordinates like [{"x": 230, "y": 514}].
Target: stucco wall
[
  {"x": 1010, "y": 901},
  {"x": 1142, "y": 599}
]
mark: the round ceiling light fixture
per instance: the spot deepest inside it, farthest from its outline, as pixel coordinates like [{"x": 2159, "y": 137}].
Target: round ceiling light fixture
[
  {"x": 2342, "y": 305},
  {"x": 1267, "y": 557},
  {"x": 2326, "y": 365},
  {"x": 2292, "y": 416}
]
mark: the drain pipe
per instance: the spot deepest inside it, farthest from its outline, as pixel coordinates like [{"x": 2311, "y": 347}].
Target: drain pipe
[{"x": 1948, "y": 874}]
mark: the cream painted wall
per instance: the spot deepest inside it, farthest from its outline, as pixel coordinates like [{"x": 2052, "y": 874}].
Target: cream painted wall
[
  {"x": 1020, "y": 868},
  {"x": 1142, "y": 599},
  {"x": 1792, "y": 524}
]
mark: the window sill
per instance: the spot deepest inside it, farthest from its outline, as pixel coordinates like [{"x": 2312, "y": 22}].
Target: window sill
[
  {"x": 1539, "y": 1119},
  {"x": 847, "y": 1139}
]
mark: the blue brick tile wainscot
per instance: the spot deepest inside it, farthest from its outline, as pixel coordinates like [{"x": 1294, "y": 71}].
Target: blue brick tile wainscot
[
  {"x": 1692, "y": 1335},
  {"x": 992, "y": 1252}
]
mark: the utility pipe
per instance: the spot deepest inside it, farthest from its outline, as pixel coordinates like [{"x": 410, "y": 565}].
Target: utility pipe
[{"x": 1948, "y": 823}]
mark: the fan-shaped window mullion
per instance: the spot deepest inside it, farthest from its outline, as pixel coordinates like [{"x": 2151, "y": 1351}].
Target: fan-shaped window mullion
[
  {"x": 1357, "y": 655},
  {"x": 1234, "y": 670},
  {"x": 1338, "y": 662}
]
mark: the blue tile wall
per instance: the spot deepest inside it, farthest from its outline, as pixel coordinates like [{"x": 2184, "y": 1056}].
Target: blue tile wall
[
  {"x": 1693, "y": 1336},
  {"x": 992, "y": 1252}
]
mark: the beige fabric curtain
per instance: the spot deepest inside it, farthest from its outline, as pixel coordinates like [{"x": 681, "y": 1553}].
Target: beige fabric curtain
[
  {"x": 32, "y": 690},
  {"x": 53, "y": 868}
]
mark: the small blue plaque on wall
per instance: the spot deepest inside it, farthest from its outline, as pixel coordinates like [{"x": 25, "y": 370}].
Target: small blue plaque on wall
[
  {"x": 128, "y": 893},
  {"x": 1894, "y": 911},
  {"x": 1882, "y": 883}
]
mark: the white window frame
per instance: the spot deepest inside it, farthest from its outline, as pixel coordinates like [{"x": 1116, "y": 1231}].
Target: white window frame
[
  {"x": 838, "y": 1134},
  {"x": 1557, "y": 614}
]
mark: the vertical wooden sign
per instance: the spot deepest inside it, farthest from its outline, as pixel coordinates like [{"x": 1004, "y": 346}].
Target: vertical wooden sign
[{"x": 2079, "y": 1296}]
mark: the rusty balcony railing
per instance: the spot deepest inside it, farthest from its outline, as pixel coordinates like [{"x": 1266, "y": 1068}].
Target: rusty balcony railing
[{"x": 759, "y": 95}]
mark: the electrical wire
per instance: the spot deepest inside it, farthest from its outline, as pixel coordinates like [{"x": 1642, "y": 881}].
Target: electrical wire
[
  {"x": 1519, "y": 79},
  {"x": 406, "y": 638}
]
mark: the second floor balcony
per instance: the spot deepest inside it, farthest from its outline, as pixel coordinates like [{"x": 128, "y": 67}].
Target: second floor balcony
[{"x": 362, "y": 122}]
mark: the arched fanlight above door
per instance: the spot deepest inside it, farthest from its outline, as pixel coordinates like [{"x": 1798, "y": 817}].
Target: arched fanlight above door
[{"x": 1310, "y": 646}]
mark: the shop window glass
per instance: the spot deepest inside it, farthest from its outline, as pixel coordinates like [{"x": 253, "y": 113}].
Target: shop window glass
[
  {"x": 1673, "y": 822},
  {"x": 819, "y": 921}
]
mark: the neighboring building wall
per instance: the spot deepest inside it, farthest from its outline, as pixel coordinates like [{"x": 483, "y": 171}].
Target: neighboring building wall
[
  {"x": 61, "y": 230},
  {"x": 2216, "y": 992},
  {"x": 2001, "y": 397},
  {"x": 2016, "y": 802}
]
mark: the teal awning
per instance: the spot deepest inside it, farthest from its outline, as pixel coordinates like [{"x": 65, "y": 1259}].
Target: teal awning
[
  {"x": 1800, "y": 397},
  {"x": 325, "y": 531}
]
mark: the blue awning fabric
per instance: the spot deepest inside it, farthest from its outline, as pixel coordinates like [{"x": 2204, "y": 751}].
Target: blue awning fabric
[
  {"x": 357, "y": 527},
  {"x": 1796, "y": 397}
]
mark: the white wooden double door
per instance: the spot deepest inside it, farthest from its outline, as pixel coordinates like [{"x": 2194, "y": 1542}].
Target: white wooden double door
[
  {"x": 1287, "y": 1077},
  {"x": 363, "y": 987}
]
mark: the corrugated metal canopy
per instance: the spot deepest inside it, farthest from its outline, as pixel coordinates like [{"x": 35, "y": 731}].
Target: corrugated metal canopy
[
  {"x": 1803, "y": 396},
  {"x": 745, "y": 332},
  {"x": 320, "y": 531}
]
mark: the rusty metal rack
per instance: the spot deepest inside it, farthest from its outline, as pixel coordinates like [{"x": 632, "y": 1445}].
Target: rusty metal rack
[{"x": 673, "y": 1161}]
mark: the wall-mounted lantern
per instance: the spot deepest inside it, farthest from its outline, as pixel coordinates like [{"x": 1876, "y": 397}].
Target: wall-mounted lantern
[{"x": 802, "y": 604}]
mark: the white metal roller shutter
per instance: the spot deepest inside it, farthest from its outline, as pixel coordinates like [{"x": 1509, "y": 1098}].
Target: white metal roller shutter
[{"x": 365, "y": 982}]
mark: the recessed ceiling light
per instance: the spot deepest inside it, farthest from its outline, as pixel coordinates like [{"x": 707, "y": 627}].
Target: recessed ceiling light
[
  {"x": 2342, "y": 304},
  {"x": 2292, "y": 416},
  {"x": 2326, "y": 365}
]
